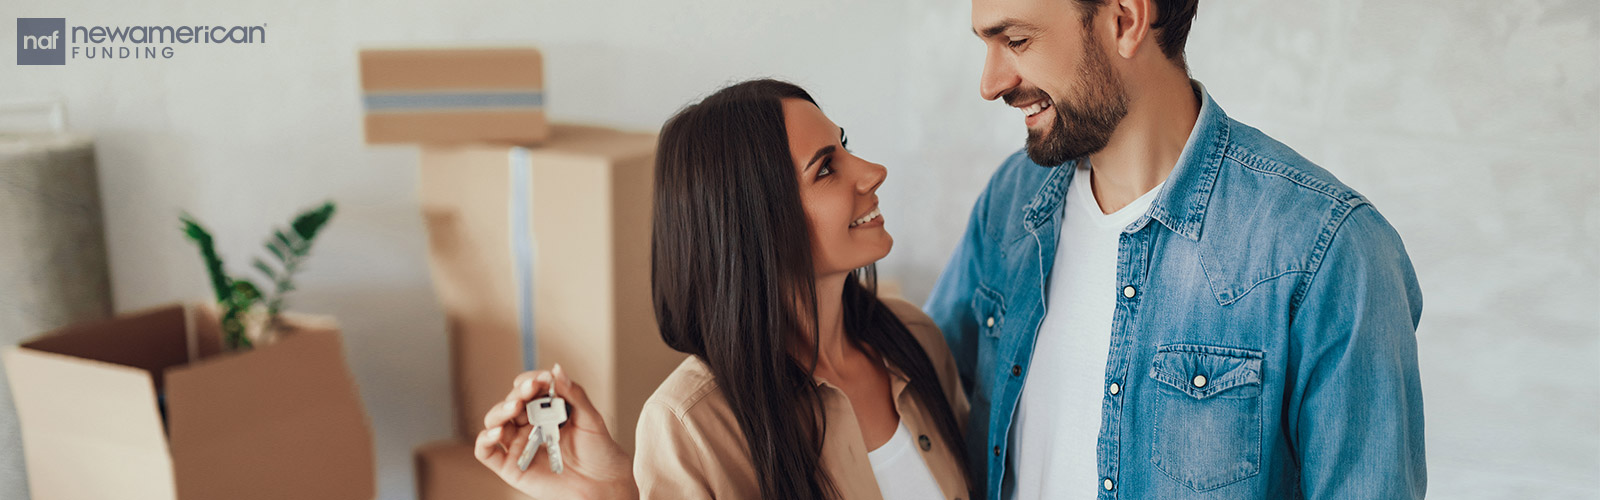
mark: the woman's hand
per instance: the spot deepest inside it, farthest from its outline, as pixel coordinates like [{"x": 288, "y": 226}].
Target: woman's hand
[{"x": 596, "y": 468}]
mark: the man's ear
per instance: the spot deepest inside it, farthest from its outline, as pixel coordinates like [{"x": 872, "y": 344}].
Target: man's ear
[{"x": 1132, "y": 18}]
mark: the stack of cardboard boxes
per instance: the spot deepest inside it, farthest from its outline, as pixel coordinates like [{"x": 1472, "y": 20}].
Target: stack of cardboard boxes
[{"x": 539, "y": 242}]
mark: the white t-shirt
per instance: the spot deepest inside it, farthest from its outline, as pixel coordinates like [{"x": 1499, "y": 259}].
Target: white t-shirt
[
  {"x": 902, "y": 475},
  {"x": 1057, "y": 424}
]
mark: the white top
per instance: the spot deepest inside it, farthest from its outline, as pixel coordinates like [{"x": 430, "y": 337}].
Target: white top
[
  {"x": 1057, "y": 423},
  {"x": 902, "y": 475}
]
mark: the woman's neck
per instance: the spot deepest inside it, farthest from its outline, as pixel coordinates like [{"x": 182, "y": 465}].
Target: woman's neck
[{"x": 831, "y": 345}]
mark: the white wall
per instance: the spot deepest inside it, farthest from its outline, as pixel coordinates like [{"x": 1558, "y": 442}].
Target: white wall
[{"x": 1473, "y": 125}]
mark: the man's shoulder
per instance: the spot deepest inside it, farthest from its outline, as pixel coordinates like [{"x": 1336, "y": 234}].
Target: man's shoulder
[
  {"x": 1262, "y": 165},
  {"x": 1273, "y": 213}
]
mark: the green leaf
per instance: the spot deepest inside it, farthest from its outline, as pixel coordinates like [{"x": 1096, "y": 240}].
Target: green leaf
[
  {"x": 290, "y": 243},
  {"x": 245, "y": 291},
  {"x": 265, "y": 269},
  {"x": 308, "y": 223},
  {"x": 208, "y": 253},
  {"x": 272, "y": 246}
]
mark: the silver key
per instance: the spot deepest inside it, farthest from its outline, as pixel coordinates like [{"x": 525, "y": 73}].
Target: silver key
[{"x": 545, "y": 415}]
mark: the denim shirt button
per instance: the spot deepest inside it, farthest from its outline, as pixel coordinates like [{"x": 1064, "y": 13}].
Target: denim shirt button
[
  {"x": 990, "y": 322},
  {"x": 1115, "y": 388},
  {"x": 1199, "y": 381},
  {"x": 1108, "y": 484},
  {"x": 997, "y": 451},
  {"x": 1016, "y": 370},
  {"x": 1129, "y": 292}
]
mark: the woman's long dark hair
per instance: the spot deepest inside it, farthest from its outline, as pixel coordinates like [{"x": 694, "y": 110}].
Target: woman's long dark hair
[{"x": 731, "y": 259}]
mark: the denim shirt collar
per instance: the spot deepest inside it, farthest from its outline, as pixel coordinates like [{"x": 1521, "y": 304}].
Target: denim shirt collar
[{"x": 1181, "y": 205}]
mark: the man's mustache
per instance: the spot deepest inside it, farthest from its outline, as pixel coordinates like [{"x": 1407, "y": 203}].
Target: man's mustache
[{"x": 1025, "y": 95}]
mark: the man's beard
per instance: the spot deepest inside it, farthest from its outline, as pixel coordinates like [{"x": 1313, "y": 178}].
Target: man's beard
[{"x": 1084, "y": 122}]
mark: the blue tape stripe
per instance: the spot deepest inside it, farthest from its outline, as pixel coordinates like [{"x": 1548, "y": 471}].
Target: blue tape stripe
[
  {"x": 522, "y": 248},
  {"x": 413, "y": 101}
]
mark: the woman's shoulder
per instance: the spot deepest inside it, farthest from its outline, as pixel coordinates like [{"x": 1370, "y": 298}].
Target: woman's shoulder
[
  {"x": 688, "y": 443},
  {"x": 690, "y": 386}
]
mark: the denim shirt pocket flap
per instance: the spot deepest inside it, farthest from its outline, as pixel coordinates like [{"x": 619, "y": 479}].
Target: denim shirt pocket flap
[
  {"x": 990, "y": 310},
  {"x": 1203, "y": 371}
]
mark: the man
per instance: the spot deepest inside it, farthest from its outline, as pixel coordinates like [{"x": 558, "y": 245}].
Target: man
[{"x": 1156, "y": 301}]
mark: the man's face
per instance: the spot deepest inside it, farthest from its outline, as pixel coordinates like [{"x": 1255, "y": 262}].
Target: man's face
[{"x": 1044, "y": 61}]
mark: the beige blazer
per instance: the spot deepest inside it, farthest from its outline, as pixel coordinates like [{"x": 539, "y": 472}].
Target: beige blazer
[{"x": 689, "y": 445}]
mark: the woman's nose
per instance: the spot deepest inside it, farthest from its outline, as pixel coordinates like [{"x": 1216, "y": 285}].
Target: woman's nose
[{"x": 871, "y": 177}]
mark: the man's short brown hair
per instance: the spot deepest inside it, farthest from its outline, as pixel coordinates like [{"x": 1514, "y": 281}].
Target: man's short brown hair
[{"x": 1171, "y": 24}]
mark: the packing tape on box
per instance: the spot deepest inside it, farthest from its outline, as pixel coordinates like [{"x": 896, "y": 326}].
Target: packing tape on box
[
  {"x": 452, "y": 100},
  {"x": 523, "y": 248}
]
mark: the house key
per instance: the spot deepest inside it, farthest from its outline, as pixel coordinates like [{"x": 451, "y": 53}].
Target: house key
[{"x": 546, "y": 415}]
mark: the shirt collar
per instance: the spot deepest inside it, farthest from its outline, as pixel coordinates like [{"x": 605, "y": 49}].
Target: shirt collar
[
  {"x": 897, "y": 380},
  {"x": 1181, "y": 204}
]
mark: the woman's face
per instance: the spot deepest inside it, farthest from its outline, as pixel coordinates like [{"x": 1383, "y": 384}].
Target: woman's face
[{"x": 838, "y": 190}]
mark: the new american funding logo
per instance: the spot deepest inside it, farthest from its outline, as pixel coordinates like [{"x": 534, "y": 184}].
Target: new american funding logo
[{"x": 49, "y": 41}]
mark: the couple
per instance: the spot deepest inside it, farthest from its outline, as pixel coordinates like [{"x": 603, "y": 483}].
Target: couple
[{"x": 1150, "y": 301}]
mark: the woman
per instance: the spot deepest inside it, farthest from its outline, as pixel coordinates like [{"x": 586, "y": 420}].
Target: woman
[{"x": 802, "y": 384}]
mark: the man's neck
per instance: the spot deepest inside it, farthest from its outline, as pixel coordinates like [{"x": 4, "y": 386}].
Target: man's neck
[{"x": 1146, "y": 145}]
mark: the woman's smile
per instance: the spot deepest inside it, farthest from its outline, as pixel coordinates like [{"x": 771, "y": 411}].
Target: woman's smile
[{"x": 871, "y": 219}]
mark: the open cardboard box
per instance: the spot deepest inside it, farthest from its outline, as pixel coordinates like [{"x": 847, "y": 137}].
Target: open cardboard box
[{"x": 147, "y": 406}]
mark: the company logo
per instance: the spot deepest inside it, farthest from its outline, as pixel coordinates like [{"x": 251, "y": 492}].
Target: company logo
[
  {"x": 42, "y": 40},
  {"x": 49, "y": 41}
]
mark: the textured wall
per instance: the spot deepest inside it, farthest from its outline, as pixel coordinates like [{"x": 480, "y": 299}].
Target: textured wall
[{"x": 1473, "y": 125}]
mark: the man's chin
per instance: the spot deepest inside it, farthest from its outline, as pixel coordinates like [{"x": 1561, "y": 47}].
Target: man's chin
[{"x": 1043, "y": 151}]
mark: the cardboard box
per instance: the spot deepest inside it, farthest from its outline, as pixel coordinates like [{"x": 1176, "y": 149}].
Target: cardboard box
[
  {"x": 553, "y": 244},
  {"x": 453, "y": 96},
  {"x": 146, "y": 406},
  {"x": 447, "y": 470}
]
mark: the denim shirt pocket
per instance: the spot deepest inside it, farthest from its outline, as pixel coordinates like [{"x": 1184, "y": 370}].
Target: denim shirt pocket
[
  {"x": 1207, "y": 414},
  {"x": 990, "y": 309}
]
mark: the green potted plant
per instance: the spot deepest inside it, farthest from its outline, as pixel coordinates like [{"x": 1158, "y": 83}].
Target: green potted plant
[{"x": 248, "y": 313}]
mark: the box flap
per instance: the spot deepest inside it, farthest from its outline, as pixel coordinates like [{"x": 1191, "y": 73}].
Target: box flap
[
  {"x": 152, "y": 340},
  {"x": 281, "y": 421},
  {"x": 81, "y": 414}
]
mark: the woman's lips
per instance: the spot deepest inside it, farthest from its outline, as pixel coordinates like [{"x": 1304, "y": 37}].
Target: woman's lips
[{"x": 871, "y": 218}]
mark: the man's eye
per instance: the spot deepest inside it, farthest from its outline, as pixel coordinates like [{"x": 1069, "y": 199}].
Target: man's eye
[{"x": 1017, "y": 42}]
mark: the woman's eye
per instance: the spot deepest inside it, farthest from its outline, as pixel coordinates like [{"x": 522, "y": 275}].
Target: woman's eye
[
  {"x": 1014, "y": 43},
  {"x": 825, "y": 169}
]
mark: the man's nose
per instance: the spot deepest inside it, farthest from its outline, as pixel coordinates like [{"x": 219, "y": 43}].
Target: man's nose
[{"x": 999, "y": 75}]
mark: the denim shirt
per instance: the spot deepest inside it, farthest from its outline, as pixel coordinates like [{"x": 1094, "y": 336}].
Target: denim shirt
[{"x": 1263, "y": 343}]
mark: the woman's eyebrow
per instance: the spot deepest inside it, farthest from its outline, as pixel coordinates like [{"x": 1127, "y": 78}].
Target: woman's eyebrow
[{"x": 825, "y": 151}]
